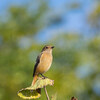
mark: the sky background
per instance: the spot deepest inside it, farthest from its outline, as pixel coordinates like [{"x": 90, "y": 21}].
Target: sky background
[{"x": 73, "y": 20}]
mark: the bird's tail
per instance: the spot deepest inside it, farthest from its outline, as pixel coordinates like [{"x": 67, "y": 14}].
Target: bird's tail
[{"x": 34, "y": 79}]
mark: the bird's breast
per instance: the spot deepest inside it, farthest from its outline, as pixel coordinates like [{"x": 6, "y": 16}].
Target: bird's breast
[{"x": 45, "y": 63}]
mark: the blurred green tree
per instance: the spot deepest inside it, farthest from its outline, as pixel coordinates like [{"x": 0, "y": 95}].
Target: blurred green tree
[
  {"x": 15, "y": 63},
  {"x": 94, "y": 19},
  {"x": 76, "y": 63}
]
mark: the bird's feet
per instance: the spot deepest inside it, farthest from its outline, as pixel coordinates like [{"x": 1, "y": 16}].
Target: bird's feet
[{"x": 43, "y": 76}]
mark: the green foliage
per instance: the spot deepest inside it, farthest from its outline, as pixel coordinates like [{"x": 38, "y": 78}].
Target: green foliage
[
  {"x": 72, "y": 52},
  {"x": 22, "y": 22},
  {"x": 94, "y": 18}
]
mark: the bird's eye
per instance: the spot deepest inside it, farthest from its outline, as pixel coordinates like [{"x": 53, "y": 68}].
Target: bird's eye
[{"x": 46, "y": 47}]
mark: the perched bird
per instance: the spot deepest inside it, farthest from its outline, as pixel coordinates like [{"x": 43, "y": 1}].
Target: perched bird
[{"x": 43, "y": 62}]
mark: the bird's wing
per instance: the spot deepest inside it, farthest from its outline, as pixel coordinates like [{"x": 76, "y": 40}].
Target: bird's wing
[{"x": 37, "y": 62}]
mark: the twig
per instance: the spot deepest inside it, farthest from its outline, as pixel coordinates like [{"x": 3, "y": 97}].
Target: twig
[{"x": 46, "y": 93}]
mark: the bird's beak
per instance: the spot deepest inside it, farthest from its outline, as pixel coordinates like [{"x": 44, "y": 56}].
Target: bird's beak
[{"x": 52, "y": 47}]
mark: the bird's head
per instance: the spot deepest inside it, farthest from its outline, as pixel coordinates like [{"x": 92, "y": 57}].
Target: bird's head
[{"x": 47, "y": 48}]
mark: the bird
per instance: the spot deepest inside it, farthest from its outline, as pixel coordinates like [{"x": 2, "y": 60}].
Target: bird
[{"x": 43, "y": 62}]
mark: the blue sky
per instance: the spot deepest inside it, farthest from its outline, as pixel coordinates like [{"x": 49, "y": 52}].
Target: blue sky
[{"x": 74, "y": 20}]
